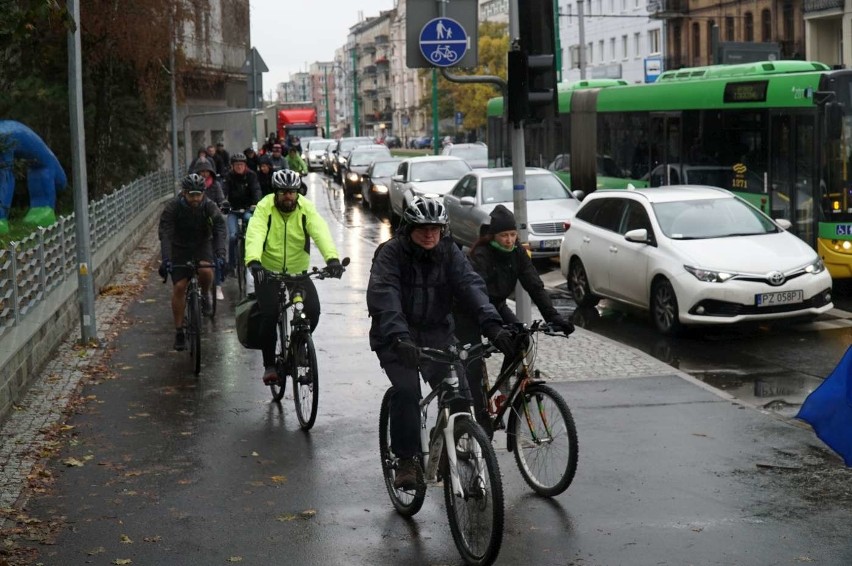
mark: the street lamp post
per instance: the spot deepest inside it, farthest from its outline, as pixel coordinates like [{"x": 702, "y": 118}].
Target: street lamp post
[{"x": 327, "y": 117}]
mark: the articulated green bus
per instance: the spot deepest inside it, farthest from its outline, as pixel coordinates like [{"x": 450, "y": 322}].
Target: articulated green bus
[{"x": 778, "y": 133}]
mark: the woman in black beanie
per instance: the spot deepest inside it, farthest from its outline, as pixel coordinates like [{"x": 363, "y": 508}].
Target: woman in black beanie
[{"x": 502, "y": 263}]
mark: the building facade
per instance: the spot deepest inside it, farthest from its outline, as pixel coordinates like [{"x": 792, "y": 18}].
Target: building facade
[{"x": 828, "y": 31}]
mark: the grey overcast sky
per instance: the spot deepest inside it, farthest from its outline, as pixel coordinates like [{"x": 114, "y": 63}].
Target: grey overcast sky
[{"x": 290, "y": 34}]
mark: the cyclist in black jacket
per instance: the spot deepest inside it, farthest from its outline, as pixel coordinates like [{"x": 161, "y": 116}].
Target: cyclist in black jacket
[
  {"x": 242, "y": 192},
  {"x": 191, "y": 229},
  {"x": 414, "y": 279}
]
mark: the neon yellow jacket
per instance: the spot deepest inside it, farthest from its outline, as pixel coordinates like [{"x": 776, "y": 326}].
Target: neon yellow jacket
[{"x": 287, "y": 236}]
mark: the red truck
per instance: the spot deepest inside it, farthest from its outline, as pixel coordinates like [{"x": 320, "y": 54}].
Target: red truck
[{"x": 298, "y": 122}]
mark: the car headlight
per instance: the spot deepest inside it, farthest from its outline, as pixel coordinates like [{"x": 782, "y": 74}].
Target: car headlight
[
  {"x": 353, "y": 176},
  {"x": 816, "y": 267},
  {"x": 707, "y": 275},
  {"x": 342, "y": 160},
  {"x": 381, "y": 189}
]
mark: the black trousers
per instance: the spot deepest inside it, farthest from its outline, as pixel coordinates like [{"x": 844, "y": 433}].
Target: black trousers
[{"x": 267, "y": 299}]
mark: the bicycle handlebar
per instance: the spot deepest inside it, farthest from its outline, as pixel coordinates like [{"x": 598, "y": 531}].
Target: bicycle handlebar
[
  {"x": 314, "y": 273},
  {"x": 456, "y": 353},
  {"x": 189, "y": 265}
]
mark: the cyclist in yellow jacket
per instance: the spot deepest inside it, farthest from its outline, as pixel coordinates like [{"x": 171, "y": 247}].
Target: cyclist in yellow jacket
[{"x": 278, "y": 239}]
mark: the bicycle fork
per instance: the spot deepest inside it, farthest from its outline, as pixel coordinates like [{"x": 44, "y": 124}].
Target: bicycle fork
[{"x": 444, "y": 435}]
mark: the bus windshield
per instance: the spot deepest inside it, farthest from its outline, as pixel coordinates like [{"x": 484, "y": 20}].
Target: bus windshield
[{"x": 836, "y": 185}]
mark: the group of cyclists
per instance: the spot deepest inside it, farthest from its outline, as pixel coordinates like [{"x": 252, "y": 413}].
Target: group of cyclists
[{"x": 423, "y": 291}]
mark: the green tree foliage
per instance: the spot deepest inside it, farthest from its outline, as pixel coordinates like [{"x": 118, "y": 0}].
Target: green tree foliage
[
  {"x": 125, "y": 54},
  {"x": 471, "y": 99}
]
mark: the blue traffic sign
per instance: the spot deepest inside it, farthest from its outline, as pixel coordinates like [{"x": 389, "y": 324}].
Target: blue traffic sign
[
  {"x": 459, "y": 118},
  {"x": 443, "y": 42}
]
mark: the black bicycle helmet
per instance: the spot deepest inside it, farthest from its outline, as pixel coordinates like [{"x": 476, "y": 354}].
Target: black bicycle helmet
[
  {"x": 422, "y": 210},
  {"x": 286, "y": 180},
  {"x": 238, "y": 158},
  {"x": 193, "y": 183}
]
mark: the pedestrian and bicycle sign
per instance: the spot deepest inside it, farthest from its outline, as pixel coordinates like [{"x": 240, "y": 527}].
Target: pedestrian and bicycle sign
[{"x": 443, "y": 42}]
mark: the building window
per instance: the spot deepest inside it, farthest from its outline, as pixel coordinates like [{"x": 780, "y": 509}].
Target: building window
[
  {"x": 711, "y": 57},
  {"x": 729, "y": 28},
  {"x": 765, "y": 26},
  {"x": 787, "y": 15},
  {"x": 696, "y": 41},
  {"x": 636, "y": 47},
  {"x": 624, "y": 47},
  {"x": 601, "y": 49},
  {"x": 654, "y": 40},
  {"x": 612, "y": 48},
  {"x": 748, "y": 22},
  {"x": 590, "y": 58}
]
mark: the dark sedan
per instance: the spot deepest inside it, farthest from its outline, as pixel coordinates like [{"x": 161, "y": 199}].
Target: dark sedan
[{"x": 376, "y": 182}]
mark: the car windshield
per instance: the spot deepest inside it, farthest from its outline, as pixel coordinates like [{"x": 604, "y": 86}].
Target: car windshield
[
  {"x": 346, "y": 145},
  {"x": 711, "y": 218},
  {"x": 318, "y": 145},
  {"x": 539, "y": 187},
  {"x": 367, "y": 157},
  {"x": 438, "y": 170},
  {"x": 385, "y": 168},
  {"x": 479, "y": 153}
]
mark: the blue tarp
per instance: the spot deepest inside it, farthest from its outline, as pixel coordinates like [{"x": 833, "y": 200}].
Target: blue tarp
[{"x": 828, "y": 409}]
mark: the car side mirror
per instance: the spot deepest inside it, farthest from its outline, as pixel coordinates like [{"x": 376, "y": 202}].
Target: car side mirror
[
  {"x": 397, "y": 178},
  {"x": 578, "y": 194},
  {"x": 784, "y": 223},
  {"x": 467, "y": 201},
  {"x": 639, "y": 236}
]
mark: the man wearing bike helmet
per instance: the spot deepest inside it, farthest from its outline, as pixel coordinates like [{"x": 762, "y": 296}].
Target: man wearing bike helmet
[
  {"x": 278, "y": 239},
  {"x": 191, "y": 229},
  {"x": 414, "y": 280},
  {"x": 242, "y": 192}
]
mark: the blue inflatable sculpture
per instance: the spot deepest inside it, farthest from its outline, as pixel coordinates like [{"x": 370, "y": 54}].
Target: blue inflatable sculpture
[{"x": 44, "y": 174}]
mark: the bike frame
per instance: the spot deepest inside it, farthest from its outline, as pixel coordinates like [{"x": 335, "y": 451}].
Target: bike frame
[{"x": 444, "y": 432}]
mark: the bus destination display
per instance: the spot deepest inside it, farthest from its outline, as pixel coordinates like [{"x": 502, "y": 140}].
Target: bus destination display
[{"x": 753, "y": 91}]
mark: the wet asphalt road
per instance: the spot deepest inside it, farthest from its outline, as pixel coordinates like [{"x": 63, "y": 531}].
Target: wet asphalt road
[{"x": 208, "y": 471}]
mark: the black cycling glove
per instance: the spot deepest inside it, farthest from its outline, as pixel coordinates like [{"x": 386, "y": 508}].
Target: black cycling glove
[
  {"x": 257, "y": 272},
  {"x": 334, "y": 268},
  {"x": 501, "y": 338},
  {"x": 559, "y": 324},
  {"x": 407, "y": 352}
]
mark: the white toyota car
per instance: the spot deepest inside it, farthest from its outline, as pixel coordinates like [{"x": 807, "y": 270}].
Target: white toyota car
[{"x": 691, "y": 255}]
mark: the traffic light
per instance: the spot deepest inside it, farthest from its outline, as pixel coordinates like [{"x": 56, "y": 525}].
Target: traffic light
[
  {"x": 538, "y": 40},
  {"x": 518, "y": 108}
]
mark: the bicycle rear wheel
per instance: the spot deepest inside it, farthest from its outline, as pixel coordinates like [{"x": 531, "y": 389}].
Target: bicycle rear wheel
[
  {"x": 195, "y": 331},
  {"x": 213, "y": 300},
  {"x": 545, "y": 439},
  {"x": 476, "y": 516},
  {"x": 303, "y": 362},
  {"x": 406, "y": 502},
  {"x": 278, "y": 389}
]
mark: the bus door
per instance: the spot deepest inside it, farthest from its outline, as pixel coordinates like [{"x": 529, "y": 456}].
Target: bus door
[
  {"x": 664, "y": 142},
  {"x": 793, "y": 178}
]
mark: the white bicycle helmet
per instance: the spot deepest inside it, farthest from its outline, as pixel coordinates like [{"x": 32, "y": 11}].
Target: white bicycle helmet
[
  {"x": 423, "y": 210},
  {"x": 286, "y": 180}
]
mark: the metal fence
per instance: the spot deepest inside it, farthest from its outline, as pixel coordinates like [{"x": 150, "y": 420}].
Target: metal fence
[{"x": 36, "y": 265}]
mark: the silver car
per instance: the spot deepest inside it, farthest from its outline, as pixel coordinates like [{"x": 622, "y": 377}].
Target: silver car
[
  {"x": 315, "y": 153},
  {"x": 550, "y": 204},
  {"x": 476, "y": 154},
  {"x": 426, "y": 175}
]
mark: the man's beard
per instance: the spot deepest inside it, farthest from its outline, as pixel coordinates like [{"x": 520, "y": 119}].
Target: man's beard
[{"x": 286, "y": 206}]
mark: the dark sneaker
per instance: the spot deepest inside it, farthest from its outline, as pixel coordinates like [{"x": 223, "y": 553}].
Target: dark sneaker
[
  {"x": 406, "y": 475},
  {"x": 180, "y": 341},
  {"x": 270, "y": 376},
  {"x": 205, "y": 305}
]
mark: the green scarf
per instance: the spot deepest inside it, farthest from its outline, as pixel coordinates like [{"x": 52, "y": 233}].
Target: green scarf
[{"x": 497, "y": 246}]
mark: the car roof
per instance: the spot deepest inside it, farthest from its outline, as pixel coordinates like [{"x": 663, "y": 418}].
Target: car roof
[
  {"x": 422, "y": 158},
  {"x": 503, "y": 171},
  {"x": 370, "y": 146},
  {"x": 463, "y": 145},
  {"x": 387, "y": 160},
  {"x": 669, "y": 193}
]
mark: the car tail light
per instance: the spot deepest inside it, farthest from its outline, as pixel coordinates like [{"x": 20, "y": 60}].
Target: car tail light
[{"x": 566, "y": 225}]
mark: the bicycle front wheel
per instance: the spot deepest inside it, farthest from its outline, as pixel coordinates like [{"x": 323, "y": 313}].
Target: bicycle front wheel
[
  {"x": 407, "y": 502},
  {"x": 195, "y": 331},
  {"x": 303, "y": 363},
  {"x": 476, "y": 515},
  {"x": 545, "y": 439},
  {"x": 281, "y": 362}
]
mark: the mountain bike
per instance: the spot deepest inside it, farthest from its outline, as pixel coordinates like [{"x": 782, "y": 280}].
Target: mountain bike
[
  {"x": 540, "y": 431},
  {"x": 295, "y": 354},
  {"x": 192, "y": 312},
  {"x": 458, "y": 453}
]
